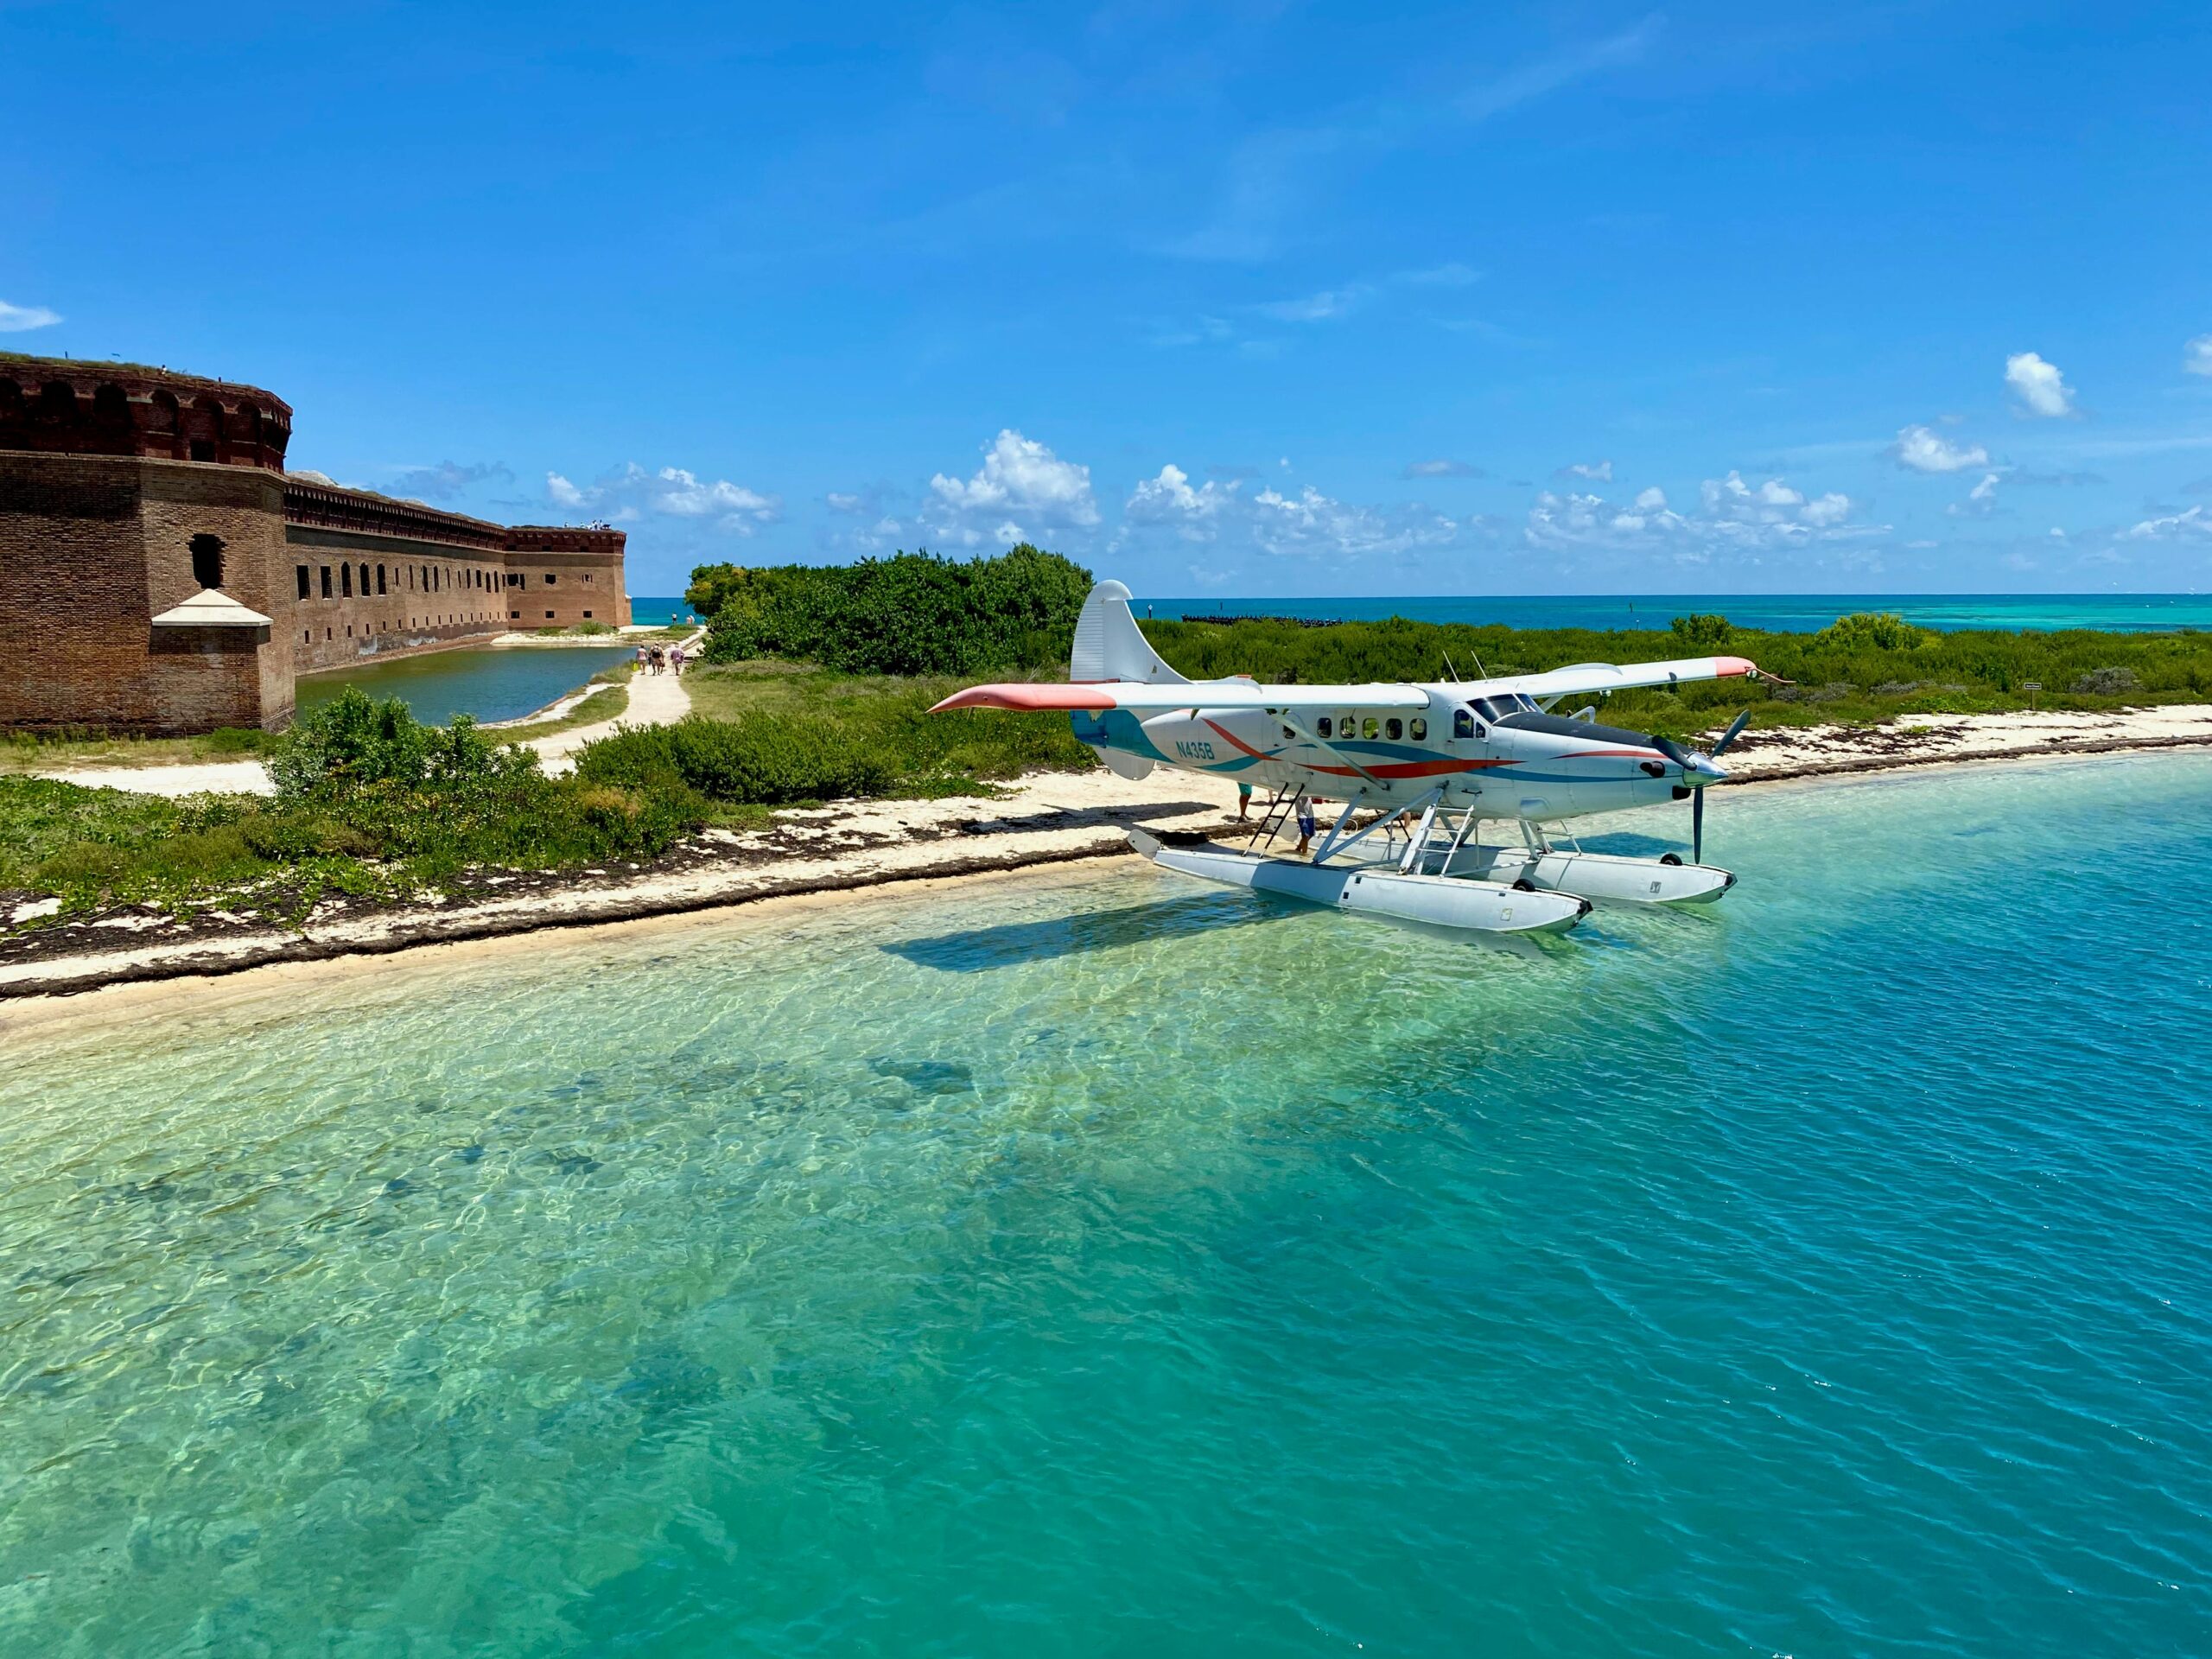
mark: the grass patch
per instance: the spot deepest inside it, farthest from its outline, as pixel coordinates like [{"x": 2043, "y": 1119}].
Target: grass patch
[
  {"x": 803, "y": 733},
  {"x": 90, "y": 746},
  {"x": 606, "y": 703}
]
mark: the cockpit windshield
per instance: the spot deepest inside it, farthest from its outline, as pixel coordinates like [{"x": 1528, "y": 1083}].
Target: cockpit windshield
[{"x": 1498, "y": 708}]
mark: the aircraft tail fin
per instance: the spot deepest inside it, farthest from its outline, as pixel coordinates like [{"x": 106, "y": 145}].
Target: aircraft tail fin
[{"x": 1108, "y": 645}]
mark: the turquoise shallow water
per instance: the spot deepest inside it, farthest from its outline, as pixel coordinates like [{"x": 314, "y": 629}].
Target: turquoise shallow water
[
  {"x": 1783, "y": 613},
  {"x": 502, "y": 683},
  {"x": 1095, "y": 1263}
]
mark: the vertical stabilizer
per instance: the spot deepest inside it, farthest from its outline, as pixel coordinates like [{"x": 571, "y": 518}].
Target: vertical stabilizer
[{"x": 1108, "y": 645}]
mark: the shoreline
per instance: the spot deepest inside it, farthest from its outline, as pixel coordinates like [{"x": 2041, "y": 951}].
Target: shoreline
[{"x": 1046, "y": 819}]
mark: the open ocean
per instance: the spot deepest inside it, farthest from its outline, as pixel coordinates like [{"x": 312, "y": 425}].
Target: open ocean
[
  {"x": 1786, "y": 613},
  {"x": 1778, "y": 612},
  {"x": 1096, "y": 1262}
]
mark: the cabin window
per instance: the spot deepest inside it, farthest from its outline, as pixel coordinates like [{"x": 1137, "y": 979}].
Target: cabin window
[
  {"x": 1321, "y": 725},
  {"x": 1419, "y": 726},
  {"x": 1463, "y": 723},
  {"x": 1394, "y": 728},
  {"x": 307, "y": 582},
  {"x": 1370, "y": 727},
  {"x": 1347, "y": 726}
]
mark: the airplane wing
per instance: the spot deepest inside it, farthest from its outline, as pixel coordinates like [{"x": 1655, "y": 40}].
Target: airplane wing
[
  {"x": 1610, "y": 676},
  {"x": 1143, "y": 699}
]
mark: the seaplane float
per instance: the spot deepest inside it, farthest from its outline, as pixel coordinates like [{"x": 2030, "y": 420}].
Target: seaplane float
[{"x": 1429, "y": 764}]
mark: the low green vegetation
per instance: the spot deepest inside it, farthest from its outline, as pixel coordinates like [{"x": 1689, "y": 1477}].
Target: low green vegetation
[
  {"x": 576, "y": 631},
  {"x": 913, "y": 614},
  {"x": 89, "y": 746},
  {"x": 368, "y": 802},
  {"x": 774, "y": 734}
]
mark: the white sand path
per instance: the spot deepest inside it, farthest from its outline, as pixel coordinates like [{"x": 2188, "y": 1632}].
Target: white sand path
[{"x": 655, "y": 700}]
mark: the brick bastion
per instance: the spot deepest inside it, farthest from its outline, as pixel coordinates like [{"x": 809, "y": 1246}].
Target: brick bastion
[{"x": 160, "y": 573}]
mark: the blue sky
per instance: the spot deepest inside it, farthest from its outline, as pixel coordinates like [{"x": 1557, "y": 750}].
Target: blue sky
[{"x": 1257, "y": 299}]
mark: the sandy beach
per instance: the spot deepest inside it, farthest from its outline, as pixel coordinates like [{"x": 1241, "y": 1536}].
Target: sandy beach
[{"x": 1046, "y": 819}]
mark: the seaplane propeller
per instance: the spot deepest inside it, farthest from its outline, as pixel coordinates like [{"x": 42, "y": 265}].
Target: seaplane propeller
[{"x": 1700, "y": 766}]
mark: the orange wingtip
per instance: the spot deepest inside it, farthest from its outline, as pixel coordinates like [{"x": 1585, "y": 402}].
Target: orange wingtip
[{"x": 1029, "y": 699}]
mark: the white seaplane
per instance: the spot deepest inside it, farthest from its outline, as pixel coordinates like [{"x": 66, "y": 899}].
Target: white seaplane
[{"x": 1432, "y": 762}]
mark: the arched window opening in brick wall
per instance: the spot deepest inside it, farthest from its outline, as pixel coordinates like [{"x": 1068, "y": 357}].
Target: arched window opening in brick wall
[
  {"x": 204, "y": 431},
  {"x": 165, "y": 426},
  {"x": 345, "y": 581},
  {"x": 208, "y": 560},
  {"x": 379, "y": 579},
  {"x": 365, "y": 580},
  {"x": 57, "y": 406},
  {"x": 111, "y": 430}
]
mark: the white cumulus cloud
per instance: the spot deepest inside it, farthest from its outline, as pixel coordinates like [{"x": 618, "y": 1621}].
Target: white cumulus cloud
[
  {"x": 632, "y": 492},
  {"x": 1730, "y": 513},
  {"x": 1924, "y": 449},
  {"x": 19, "y": 319},
  {"x": 1021, "y": 481},
  {"x": 2173, "y": 527},
  {"x": 1597, "y": 471},
  {"x": 2196, "y": 355},
  {"x": 2040, "y": 387},
  {"x": 1194, "y": 514}
]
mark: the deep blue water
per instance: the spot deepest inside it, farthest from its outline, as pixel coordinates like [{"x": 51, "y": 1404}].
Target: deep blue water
[
  {"x": 1783, "y": 613},
  {"x": 1100, "y": 1263},
  {"x": 659, "y": 612}
]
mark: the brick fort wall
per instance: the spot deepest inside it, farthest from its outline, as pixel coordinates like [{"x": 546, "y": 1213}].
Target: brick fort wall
[{"x": 109, "y": 477}]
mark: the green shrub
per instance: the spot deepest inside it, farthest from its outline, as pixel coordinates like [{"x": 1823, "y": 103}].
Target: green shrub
[
  {"x": 1872, "y": 631},
  {"x": 913, "y": 614},
  {"x": 761, "y": 758},
  {"x": 1702, "y": 632}
]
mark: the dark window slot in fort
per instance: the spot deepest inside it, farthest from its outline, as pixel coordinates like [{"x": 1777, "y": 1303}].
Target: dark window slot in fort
[
  {"x": 345, "y": 580},
  {"x": 326, "y": 582},
  {"x": 208, "y": 560},
  {"x": 379, "y": 580},
  {"x": 306, "y": 581}
]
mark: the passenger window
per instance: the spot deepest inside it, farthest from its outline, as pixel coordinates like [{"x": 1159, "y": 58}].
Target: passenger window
[
  {"x": 1347, "y": 726},
  {"x": 1419, "y": 726},
  {"x": 1394, "y": 728},
  {"x": 1321, "y": 725},
  {"x": 1463, "y": 723},
  {"x": 1367, "y": 728}
]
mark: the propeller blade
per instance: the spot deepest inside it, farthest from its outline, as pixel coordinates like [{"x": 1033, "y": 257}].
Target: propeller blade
[
  {"x": 1672, "y": 750},
  {"x": 1734, "y": 731},
  {"x": 1697, "y": 827}
]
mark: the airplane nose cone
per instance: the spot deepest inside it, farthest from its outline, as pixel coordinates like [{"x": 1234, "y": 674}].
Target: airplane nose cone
[{"x": 1701, "y": 769}]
